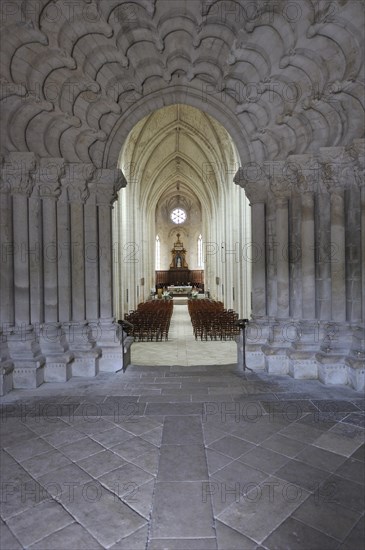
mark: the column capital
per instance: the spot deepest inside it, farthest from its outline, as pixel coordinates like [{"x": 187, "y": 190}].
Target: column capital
[
  {"x": 280, "y": 178},
  {"x": 337, "y": 169},
  {"x": 75, "y": 181},
  {"x": 256, "y": 191},
  {"x": 18, "y": 173},
  {"x": 304, "y": 172},
  {"x": 48, "y": 177},
  {"x": 357, "y": 152},
  {"x": 107, "y": 184}
]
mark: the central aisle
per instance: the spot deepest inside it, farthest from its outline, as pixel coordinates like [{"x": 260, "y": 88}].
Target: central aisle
[{"x": 182, "y": 348}]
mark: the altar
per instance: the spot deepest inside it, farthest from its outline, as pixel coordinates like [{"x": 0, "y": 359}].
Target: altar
[{"x": 180, "y": 290}]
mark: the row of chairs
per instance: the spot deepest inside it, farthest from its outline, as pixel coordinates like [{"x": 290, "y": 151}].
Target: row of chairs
[
  {"x": 211, "y": 320},
  {"x": 150, "y": 321}
]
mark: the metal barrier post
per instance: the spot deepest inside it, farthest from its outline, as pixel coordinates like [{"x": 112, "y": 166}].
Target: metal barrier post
[{"x": 241, "y": 348}]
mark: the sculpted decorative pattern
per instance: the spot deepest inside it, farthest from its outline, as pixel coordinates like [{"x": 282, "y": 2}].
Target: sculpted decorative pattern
[{"x": 290, "y": 71}]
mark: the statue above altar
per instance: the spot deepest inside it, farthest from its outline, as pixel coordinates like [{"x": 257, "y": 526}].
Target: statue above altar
[{"x": 178, "y": 255}]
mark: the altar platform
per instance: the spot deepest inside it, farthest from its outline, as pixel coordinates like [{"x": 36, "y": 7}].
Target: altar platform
[{"x": 182, "y": 290}]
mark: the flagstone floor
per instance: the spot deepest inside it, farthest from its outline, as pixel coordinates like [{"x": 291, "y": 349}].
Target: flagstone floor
[{"x": 179, "y": 457}]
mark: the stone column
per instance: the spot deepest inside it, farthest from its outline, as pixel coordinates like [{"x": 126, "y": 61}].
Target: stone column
[
  {"x": 23, "y": 345},
  {"x": 355, "y": 360},
  {"x": 308, "y": 257},
  {"x": 335, "y": 331},
  {"x": 282, "y": 260},
  {"x": 6, "y": 280},
  {"x": 111, "y": 339},
  {"x": 302, "y": 361},
  {"x": 52, "y": 336},
  {"x": 276, "y": 349},
  {"x": 7, "y": 249},
  {"x": 295, "y": 260},
  {"x": 92, "y": 282},
  {"x": 338, "y": 261},
  {"x": 79, "y": 334},
  {"x": 259, "y": 261},
  {"x": 257, "y": 331}
]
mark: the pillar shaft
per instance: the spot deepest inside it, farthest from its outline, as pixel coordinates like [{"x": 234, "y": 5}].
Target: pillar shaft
[
  {"x": 282, "y": 257},
  {"x": 92, "y": 248},
  {"x": 338, "y": 262},
  {"x": 50, "y": 260},
  {"x": 105, "y": 236},
  {"x": 308, "y": 257},
  {"x": 323, "y": 257},
  {"x": 258, "y": 260},
  {"x": 6, "y": 265},
  {"x": 21, "y": 260}
]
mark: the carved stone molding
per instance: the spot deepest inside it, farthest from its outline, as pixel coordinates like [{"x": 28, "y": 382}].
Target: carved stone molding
[
  {"x": 76, "y": 179},
  {"x": 304, "y": 173},
  {"x": 18, "y": 174},
  {"x": 48, "y": 177},
  {"x": 107, "y": 183},
  {"x": 337, "y": 169},
  {"x": 256, "y": 191}
]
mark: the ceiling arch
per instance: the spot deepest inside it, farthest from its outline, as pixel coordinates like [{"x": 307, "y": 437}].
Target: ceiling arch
[{"x": 179, "y": 145}]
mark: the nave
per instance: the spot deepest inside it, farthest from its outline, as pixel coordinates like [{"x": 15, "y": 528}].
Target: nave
[{"x": 181, "y": 348}]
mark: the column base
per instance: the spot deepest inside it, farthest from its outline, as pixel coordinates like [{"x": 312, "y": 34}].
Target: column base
[
  {"x": 26, "y": 356},
  {"x": 355, "y": 372},
  {"x": 58, "y": 369},
  {"x": 86, "y": 363},
  {"x": 115, "y": 346},
  {"x": 83, "y": 348},
  {"x": 55, "y": 348},
  {"x": 27, "y": 377},
  {"x": 276, "y": 360},
  {"x": 332, "y": 369},
  {"x": 255, "y": 357},
  {"x": 257, "y": 335},
  {"x": 6, "y": 377},
  {"x": 303, "y": 365}
]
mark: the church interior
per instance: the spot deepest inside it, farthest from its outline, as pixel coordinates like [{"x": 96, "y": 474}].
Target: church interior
[{"x": 182, "y": 279}]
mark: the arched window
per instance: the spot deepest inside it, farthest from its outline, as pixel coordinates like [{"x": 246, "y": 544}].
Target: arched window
[
  {"x": 200, "y": 252},
  {"x": 158, "y": 253}
]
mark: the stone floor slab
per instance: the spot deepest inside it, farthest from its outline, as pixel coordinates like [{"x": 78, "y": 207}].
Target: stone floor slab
[
  {"x": 231, "y": 446},
  {"x": 135, "y": 541},
  {"x": 106, "y": 517},
  {"x": 295, "y": 535},
  {"x": 183, "y": 544},
  {"x": 125, "y": 480},
  {"x": 180, "y": 511},
  {"x": 33, "y": 524},
  {"x": 71, "y": 537},
  {"x": 182, "y": 463},
  {"x": 182, "y": 430},
  {"x": 133, "y": 448},
  {"x": 324, "y": 514},
  {"x": 229, "y": 539},
  {"x": 259, "y": 515},
  {"x": 101, "y": 463}
]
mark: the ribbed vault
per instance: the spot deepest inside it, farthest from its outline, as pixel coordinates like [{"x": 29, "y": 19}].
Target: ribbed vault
[{"x": 178, "y": 144}]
